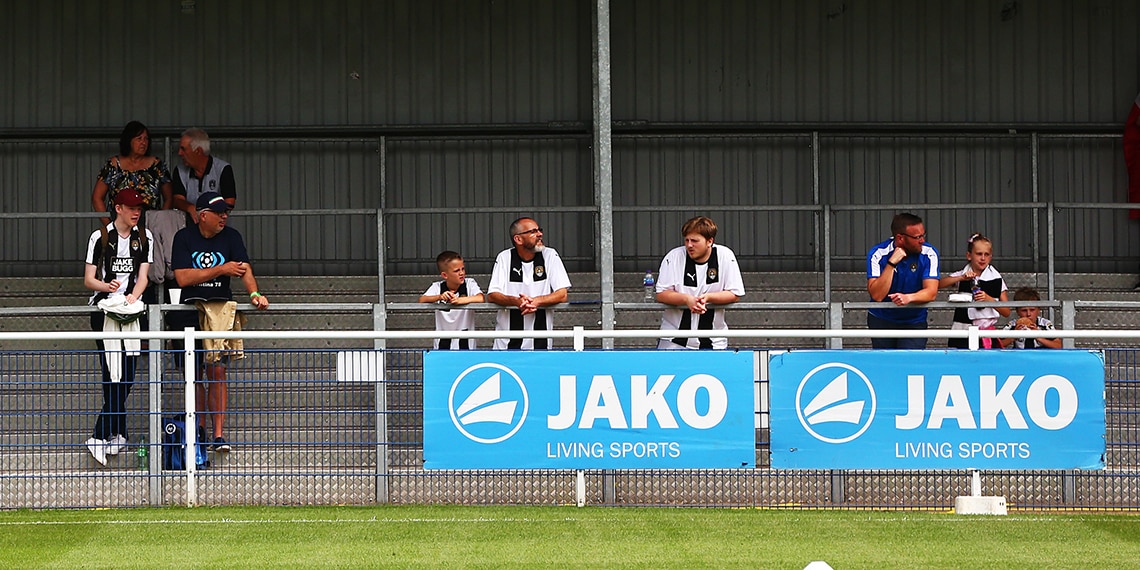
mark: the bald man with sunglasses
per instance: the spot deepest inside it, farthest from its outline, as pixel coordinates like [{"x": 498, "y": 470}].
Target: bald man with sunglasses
[{"x": 527, "y": 280}]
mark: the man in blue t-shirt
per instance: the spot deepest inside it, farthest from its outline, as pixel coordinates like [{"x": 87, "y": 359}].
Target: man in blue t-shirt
[
  {"x": 902, "y": 270},
  {"x": 204, "y": 257}
]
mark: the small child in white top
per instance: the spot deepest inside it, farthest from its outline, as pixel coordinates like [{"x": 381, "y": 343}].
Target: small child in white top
[
  {"x": 454, "y": 289},
  {"x": 1029, "y": 319}
]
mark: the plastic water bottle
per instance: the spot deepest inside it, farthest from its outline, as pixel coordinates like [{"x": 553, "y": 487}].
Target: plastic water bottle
[
  {"x": 650, "y": 287},
  {"x": 975, "y": 289},
  {"x": 142, "y": 455}
]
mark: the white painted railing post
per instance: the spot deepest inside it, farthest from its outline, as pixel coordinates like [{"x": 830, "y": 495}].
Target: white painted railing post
[{"x": 190, "y": 431}]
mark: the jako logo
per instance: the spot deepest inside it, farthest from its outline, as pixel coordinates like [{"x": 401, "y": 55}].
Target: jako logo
[
  {"x": 488, "y": 403},
  {"x": 835, "y": 402}
]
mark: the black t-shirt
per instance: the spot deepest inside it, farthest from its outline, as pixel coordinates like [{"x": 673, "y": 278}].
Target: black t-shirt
[{"x": 191, "y": 250}]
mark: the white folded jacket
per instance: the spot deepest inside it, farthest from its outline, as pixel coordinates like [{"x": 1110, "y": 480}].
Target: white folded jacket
[{"x": 119, "y": 315}]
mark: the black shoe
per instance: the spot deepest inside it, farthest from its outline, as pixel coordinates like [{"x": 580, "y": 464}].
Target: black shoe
[
  {"x": 202, "y": 435},
  {"x": 221, "y": 446}
]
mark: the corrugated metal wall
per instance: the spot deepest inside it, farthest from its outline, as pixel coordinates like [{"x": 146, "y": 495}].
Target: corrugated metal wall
[
  {"x": 83, "y": 68},
  {"x": 914, "y": 171},
  {"x": 294, "y": 62},
  {"x": 484, "y": 186},
  {"x": 722, "y": 177},
  {"x": 973, "y": 61}
]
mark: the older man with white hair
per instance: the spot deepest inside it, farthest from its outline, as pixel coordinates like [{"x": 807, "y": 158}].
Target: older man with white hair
[{"x": 200, "y": 173}]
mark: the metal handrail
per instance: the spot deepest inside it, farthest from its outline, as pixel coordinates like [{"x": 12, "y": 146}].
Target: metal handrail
[{"x": 576, "y": 333}]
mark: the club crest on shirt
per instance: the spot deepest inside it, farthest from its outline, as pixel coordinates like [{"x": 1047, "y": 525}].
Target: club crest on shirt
[
  {"x": 711, "y": 274},
  {"x": 913, "y": 266},
  {"x": 135, "y": 244},
  {"x": 539, "y": 272}
]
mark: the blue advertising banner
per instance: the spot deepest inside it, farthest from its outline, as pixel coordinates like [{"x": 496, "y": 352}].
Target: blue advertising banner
[
  {"x": 927, "y": 409},
  {"x": 588, "y": 410}
]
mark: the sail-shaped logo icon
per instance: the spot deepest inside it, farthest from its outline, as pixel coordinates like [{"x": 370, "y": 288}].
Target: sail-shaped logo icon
[
  {"x": 835, "y": 402},
  {"x": 488, "y": 403}
]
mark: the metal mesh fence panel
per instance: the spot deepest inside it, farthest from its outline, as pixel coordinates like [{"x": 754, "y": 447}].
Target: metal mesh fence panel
[
  {"x": 484, "y": 487},
  {"x": 1122, "y": 408},
  {"x": 52, "y": 402},
  {"x": 345, "y": 426},
  {"x": 301, "y": 425}
]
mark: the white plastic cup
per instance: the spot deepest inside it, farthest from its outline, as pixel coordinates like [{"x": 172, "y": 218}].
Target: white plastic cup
[{"x": 175, "y": 296}]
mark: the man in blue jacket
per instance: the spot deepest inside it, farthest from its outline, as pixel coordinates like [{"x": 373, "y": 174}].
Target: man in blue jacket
[{"x": 902, "y": 270}]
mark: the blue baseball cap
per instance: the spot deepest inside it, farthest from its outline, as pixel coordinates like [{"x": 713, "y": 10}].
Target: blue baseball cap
[{"x": 212, "y": 201}]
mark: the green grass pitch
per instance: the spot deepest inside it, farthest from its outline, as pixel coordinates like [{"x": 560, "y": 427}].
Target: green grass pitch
[{"x": 558, "y": 537}]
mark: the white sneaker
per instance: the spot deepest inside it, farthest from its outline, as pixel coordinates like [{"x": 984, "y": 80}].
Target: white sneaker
[
  {"x": 117, "y": 444},
  {"x": 98, "y": 449}
]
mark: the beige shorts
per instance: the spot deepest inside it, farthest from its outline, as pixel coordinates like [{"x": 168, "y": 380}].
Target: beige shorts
[{"x": 220, "y": 316}]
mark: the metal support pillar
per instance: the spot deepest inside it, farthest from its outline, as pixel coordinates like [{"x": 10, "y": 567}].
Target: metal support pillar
[
  {"x": 603, "y": 164},
  {"x": 1069, "y": 486},
  {"x": 826, "y": 239},
  {"x": 604, "y": 186},
  {"x": 1068, "y": 321},
  {"x": 815, "y": 194},
  {"x": 1051, "y": 249},
  {"x": 380, "y": 323},
  {"x": 1035, "y": 180},
  {"x": 835, "y": 323},
  {"x": 838, "y": 482},
  {"x": 154, "y": 406}
]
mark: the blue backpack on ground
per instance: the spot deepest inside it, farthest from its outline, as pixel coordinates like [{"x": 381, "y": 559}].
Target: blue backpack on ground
[{"x": 174, "y": 446}]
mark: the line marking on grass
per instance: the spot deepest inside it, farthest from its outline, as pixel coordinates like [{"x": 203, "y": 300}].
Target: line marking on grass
[
  {"x": 529, "y": 520},
  {"x": 304, "y": 521}
]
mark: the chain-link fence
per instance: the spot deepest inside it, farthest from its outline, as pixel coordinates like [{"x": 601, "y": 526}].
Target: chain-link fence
[{"x": 344, "y": 425}]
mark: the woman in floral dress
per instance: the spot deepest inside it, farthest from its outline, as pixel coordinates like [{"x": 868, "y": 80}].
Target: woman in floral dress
[{"x": 133, "y": 168}]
